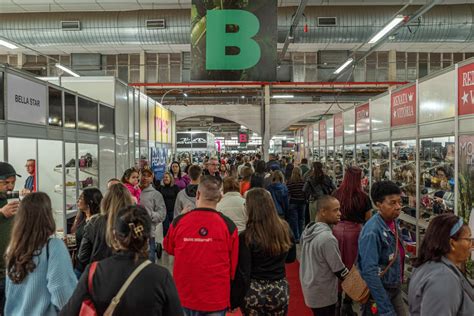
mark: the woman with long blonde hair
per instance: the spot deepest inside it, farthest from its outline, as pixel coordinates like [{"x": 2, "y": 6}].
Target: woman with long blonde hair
[
  {"x": 264, "y": 248},
  {"x": 95, "y": 246}
]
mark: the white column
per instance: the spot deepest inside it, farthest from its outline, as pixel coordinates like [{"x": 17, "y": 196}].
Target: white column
[
  {"x": 392, "y": 65},
  {"x": 266, "y": 125},
  {"x": 142, "y": 70}
]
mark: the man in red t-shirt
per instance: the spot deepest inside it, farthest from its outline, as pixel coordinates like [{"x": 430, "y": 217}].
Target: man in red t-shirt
[{"x": 205, "y": 244}]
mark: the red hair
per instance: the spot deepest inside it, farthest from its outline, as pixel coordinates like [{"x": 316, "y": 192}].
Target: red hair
[{"x": 350, "y": 194}]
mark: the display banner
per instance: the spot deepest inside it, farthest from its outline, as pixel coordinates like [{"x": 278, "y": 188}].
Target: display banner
[
  {"x": 466, "y": 89},
  {"x": 166, "y": 126},
  {"x": 26, "y": 100},
  {"x": 322, "y": 130},
  {"x": 403, "y": 106},
  {"x": 362, "y": 121},
  {"x": 338, "y": 125},
  {"x": 243, "y": 137},
  {"x": 234, "y": 40},
  {"x": 158, "y": 110},
  {"x": 466, "y": 182},
  {"x": 191, "y": 140}
]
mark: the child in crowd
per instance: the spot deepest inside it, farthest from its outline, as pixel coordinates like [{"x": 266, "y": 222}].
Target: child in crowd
[
  {"x": 130, "y": 181},
  {"x": 321, "y": 263}
]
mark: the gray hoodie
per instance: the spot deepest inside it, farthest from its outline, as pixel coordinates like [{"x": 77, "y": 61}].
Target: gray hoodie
[
  {"x": 153, "y": 202},
  {"x": 320, "y": 259},
  {"x": 185, "y": 199}
]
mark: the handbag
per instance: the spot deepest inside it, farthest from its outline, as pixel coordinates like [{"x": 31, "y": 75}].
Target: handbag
[
  {"x": 354, "y": 285},
  {"x": 88, "y": 308}
]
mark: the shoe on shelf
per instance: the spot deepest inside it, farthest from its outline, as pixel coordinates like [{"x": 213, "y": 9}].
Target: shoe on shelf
[
  {"x": 87, "y": 182},
  {"x": 71, "y": 163}
]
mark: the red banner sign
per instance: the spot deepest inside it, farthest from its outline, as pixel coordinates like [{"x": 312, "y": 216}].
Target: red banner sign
[
  {"x": 403, "y": 106},
  {"x": 362, "y": 120},
  {"x": 466, "y": 89},
  {"x": 338, "y": 125},
  {"x": 322, "y": 130}
]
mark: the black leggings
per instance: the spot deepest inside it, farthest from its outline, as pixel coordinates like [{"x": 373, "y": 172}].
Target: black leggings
[{"x": 325, "y": 311}]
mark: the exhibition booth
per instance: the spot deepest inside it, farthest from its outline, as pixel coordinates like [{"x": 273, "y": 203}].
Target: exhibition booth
[
  {"x": 66, "y": 138},
  {"x": 195, "y": 145},
  {"x": 420, "y": 136}
]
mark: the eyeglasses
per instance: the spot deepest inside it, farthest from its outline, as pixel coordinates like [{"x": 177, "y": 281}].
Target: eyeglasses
[{"x": 471, "y": 239}]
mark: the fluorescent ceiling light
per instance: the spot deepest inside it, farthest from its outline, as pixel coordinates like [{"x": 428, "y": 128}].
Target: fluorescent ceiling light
[
  {"x": 390, "y": 26},
  {"x": 185, "y": 95},
  {"x": 8, "y": 44},
  {"x": 283, "y": 96},
  {"x": 67, "y": 70},
  {"x": 347, "y": 63}
]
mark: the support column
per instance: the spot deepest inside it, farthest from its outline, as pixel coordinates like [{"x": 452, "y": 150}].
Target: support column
[
  {"x": 392, "y": 65},
  {"x": 142, "y": 70},
  {"x": 266, "y": 123},
  {"x": 21, "y": 60}
]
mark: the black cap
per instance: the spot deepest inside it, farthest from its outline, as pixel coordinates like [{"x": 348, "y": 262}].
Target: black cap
[{"x": 7, "y": 171}]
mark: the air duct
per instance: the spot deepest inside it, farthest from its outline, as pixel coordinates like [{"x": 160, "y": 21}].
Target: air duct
[{"x": 355, "y": 24}]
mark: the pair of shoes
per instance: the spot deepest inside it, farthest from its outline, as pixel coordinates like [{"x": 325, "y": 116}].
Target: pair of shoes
[
  {"x": 159, "y": 250},
  {"x": 71, "y": 163},
  {"x": 87, "y": 182}
]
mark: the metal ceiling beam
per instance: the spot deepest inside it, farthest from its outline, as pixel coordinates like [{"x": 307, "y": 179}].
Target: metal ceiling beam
[
  {"x": 294, "y": 24},
  {"x": 382, "y": 41}
]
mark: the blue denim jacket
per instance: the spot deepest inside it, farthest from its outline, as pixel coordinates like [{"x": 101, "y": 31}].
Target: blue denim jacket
[{"x": 376, "y": 248}]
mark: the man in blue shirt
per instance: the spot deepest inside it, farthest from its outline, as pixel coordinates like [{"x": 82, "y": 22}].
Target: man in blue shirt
[{"x": 30, "y": 182}]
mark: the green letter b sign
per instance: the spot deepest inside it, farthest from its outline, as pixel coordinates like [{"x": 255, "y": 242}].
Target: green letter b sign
[{"x": 217, "y": 39}]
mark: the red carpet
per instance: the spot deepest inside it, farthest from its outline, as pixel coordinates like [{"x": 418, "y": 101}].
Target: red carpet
[{"x": 297, "y": 306}]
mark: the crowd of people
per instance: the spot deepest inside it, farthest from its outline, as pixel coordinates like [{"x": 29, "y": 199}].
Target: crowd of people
[{"x": 231, "y": 224}]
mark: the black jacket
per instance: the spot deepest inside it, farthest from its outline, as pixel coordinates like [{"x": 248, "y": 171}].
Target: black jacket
[
  {"x": 315, "y": 190},
  {"x": 152, "y": 292},
  {"x": 93, "y": 245},
  {"x": 169, "y": 195},
  {"x": 255, "y": 264}
]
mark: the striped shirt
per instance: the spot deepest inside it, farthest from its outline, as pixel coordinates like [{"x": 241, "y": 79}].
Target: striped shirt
[{"x": 295, "y": 192}]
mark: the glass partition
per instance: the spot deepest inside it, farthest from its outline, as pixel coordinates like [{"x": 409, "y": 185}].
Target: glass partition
[
  {"x": 55, "y": 97},
  {"x": 50, "y": 178},
  {"x": 436, "y": 176},
  {"x": 2, "y": 96},
  {"x": 404, "y": 172},
  {"x": 88, "y": 166},
  {"x": 70, "y": 118},
  {"x": 107, "y": 119},
  {"x": 338, "y": 164},
  {"x": 362, "y": 161},
  {"x": 349, "y": 155},
  {"x": 70, "y": 169},
  {"x": 87, "y": 115},
  {"x": 380, "y": 161}
]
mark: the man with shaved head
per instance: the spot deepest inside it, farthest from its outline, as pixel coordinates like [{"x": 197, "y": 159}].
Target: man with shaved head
[
  {"x": 205, "y": 244},
  {"x": 321, "y": 263}
]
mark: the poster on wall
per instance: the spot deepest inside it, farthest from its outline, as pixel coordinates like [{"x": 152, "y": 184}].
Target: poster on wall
[
  {"x": 165, "y": 126},
  {"x": 26, "y": 100},
  {"x": 338, "y": 125},
  {"x": 158, "y": 162},
  {"x": 403, "y": 107},
  {"x": 466, "y": 89},
  {"x": 322, "y": 130},
  {"x": 234, "y": 40},
  {"x": 466, "y": 183},
  {"x": 362, "y": 121},
  {"x": 158, "y": 111}
]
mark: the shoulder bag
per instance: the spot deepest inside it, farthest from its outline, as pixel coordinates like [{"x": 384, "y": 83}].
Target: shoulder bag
[
  {"x": 88, "y": 308},
  {"x": 354, "y": 285}
]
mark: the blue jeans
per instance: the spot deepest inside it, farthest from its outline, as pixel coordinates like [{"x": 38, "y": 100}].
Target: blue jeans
[
  {"x": 296, "y": 219},
  {"x": 152, "y": 250},
  {"x": 190, "y": 312}
]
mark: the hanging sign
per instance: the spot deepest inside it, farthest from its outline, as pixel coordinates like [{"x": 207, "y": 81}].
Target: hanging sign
[
  {"x": 466, "y": 89},
  {"x": 26, "y": 100},
  {"x": 338, "y": 125},
  {"x": 322, "y": 130},
  {"x": 234, "y": 40},
  {"x": 243, "y": 137},
  {"x": 362, "y": 121},
  {"x": 403, "y": 106}
]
